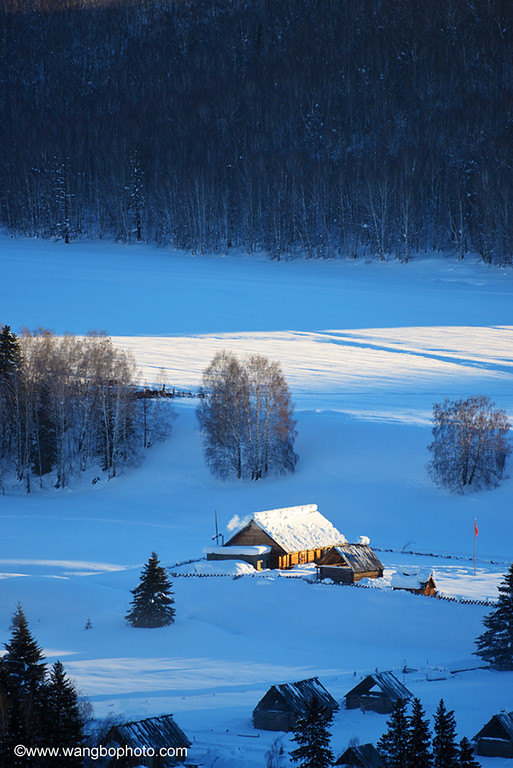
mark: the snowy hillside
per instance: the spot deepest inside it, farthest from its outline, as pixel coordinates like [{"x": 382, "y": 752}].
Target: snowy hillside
[{"x": 367, "y": 349}]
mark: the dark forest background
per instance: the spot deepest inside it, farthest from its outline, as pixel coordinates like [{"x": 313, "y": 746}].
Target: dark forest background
[{"x": 322, "y": 126}]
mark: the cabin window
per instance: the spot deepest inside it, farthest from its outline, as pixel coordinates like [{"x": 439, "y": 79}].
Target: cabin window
[{"x": 302, "y": 557}]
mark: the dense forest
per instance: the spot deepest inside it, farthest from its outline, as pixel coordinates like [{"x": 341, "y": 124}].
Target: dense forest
[{"x": 336, "y": 127}]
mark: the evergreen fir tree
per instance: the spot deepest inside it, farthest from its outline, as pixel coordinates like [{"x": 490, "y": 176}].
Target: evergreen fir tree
[
  {"x": 62, "y": 724},
  {"x": 419, "y": 738},
  {"x": 22, "y": 680},
  {"x": 10, "y": 353},
  {"x": 445, "y": 751},
  {"x": 467, "y": 755},
  {"x": 24, "y": 658},
  {"x": 152, "y": 604},
  {"x": 5, "y": 742},
  {"x": 495, "y": 645},
  {"x": 312, "y": 734},
  {"x": 393, "y": 745}
]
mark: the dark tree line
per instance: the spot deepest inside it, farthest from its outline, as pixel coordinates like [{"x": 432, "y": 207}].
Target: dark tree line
[
  {"x": 66, "y": 404},
  {"x": 39, "y": 707},
  {"x": 409, "y": 743},
  {"x": 347, "y": 126}
]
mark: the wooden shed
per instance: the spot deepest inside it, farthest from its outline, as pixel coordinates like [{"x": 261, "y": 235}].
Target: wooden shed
[
  {"x": 495, "y": 739},
  {"x": 154, "y": 732},
  {"x": 348, "y": 563},
  {"x": 378, "y": 692},
  {"x": 258, "y": 556},
  {"x": 361, "y": 756},
  {"x": 419, "y": 581},
  {"x": 279, "y": 709},
  {"x": 296, "y": 535}
]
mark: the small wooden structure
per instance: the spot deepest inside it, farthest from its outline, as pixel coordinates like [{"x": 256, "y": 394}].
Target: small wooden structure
[
  {"x": 295, "y": 535},
  {"x": 419, "y": 581},
  {"x": 378, "y": 692},
  {"x": 348, "y": 563},
  {"x": 361, "y": 756},
  {"x": 258, "y": 556},
  {"x": 279, "y": 709},
  {"x": 495, "y": 739},
  {"x": 154, "y": 732}
]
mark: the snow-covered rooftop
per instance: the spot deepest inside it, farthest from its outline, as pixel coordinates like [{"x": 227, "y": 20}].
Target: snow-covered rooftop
[
  {"x": 411, "y": 577},
  {"x": 298, "y": 695},
  {"x": 153, "y": 732},
  {"x": 257, "y": 549},
  {"x": 295, "y": 529},
  {"x": 360, "y": 558}
]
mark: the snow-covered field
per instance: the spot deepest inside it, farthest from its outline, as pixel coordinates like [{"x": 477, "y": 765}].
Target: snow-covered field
[{"x": 367, "y": 349}]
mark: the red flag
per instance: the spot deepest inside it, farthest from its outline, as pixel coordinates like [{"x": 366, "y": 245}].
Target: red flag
[{"x": 475, "y": 527}]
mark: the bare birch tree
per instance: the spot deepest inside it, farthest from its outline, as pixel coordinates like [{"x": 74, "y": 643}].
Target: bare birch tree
[
  {"x": 470, "y": 444},
  {"x": 247, "y": 418},
  {"x": 71, "y": 403}
]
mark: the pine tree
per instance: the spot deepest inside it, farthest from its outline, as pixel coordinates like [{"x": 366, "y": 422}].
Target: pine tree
[
  {"x": 467, "y": 755},
  {"x": 61, "y": 723},
  {"x": 445, "y": 751},
  {"x": 22, "y": 680},
  {"x": 393, "y": 745},
  {"x": 312, "y": 734},
  {"x": 24, "y": 657},
  {"x": 5, "y": 741},
  {"x": 10, "y": 353},
  {"x": 495, "y": 645},
  {"x": 152, "y": 604},
  {"x": 419, "y": 738}
]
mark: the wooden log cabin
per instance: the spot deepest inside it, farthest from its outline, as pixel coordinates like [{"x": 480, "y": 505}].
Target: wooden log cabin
[
  {"x": 495, "y": 739},
  {"x": 153, "y": 733},
  {"x": 377, "y": 692},
  {"x": 419, "y": 581},
  {"x": 257, "y": 556},
  {"x": 361, "y": 756},
  {"x": 348, "y": 563},
  {"x": 295, "y": 535},
  {"x": 280, "y": 707}
]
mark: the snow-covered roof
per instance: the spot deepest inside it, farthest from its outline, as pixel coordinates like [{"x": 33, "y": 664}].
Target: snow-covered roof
[
  {"x": 360, "y": 558},
  {"x": 295, "y": 529},
  {"x": 505, "y": 722},
  {"x": 387, "y": 683},
  {"x": 234, "y": 551},
  {"x": 226, "y": 567},
  {"x": 361, "y": 755},
  {"x": 297, "y": 696},
  {"x": 153, "y": 732},
  {"x": 411, "y": 577}
]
